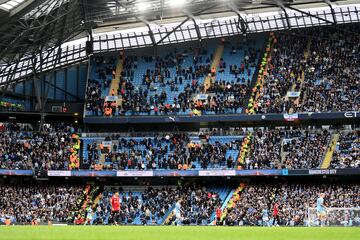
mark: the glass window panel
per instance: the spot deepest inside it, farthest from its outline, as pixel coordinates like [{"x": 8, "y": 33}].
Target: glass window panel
[
  {"x": 111, "y": 44},
  {"x": 179, "y": 36},
  {"x": 141, "y": 41},
  {"x": 148, "y": 40},
  {"x": 126, "y": 42}
]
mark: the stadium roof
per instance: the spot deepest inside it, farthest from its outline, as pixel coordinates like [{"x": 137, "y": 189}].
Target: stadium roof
[
  {"x": 11, "y": 4},
  {"x": 38, "y": 35}
]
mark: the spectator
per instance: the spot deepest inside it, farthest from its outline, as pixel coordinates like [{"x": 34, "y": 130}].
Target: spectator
[{"x": 25, "y": 204}]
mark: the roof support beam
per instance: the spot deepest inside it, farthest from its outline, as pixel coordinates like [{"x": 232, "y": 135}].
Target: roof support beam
[
  {"x": 192, "y": 17},
  {"x": 309, "y": 14},
  {"x": 151, "y": 35},
  {"x": 282, "y": 7},
  {"x": 147, "y": 23},
  {"x": 174, "y": 29},
  {"x": 286, "y": 17},
  {"x": 197, "y": 29},
  {"x": 332, "y": 11},
  {"x": 242, "y": 26}
]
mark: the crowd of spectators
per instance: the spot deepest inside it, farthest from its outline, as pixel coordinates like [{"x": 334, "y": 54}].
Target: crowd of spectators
[
  {"x": 293, "y": 148},
  {"x": 24, "y": 148},
  {"x": 257, "y": 202},
  {"x": 94, "y": 102},
  {"x": 146, "y": 98},
  {"x": 347, "y": 152},
  {"x": 325, "y": 79},
  {"x": 176, "y": 151},
  {"x": 157, "y": 203},
  {"x": 38, "y": 204},
  {"x": 332, "y": 77},
  {"x": 265, "y": 150},
  {"x": 287, "y": 148},
  {"x": 145, "y": 207},
  {"x": 284, "y": 73},
  {"x": 103, "y": 70},
  {"x": 152, "y": 205},
  {"x": 228, "y": 97},
  {"x": 198, "y": 205},
  {"x": 307, "y": 150},
  {"x": 171, "y": 86}
]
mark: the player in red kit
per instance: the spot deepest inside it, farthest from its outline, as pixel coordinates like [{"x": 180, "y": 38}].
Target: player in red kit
[
  {"x": 115, "y": 207},
  {"x": 218, "y": 215},
  {"x": 276, "y": 214},
  {"x": 115, "y": 203}
]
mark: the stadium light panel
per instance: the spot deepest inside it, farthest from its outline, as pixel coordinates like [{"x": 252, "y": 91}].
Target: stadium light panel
[
  {"x": 142, "y": 6},
  {"x": 177, "y": 3}
]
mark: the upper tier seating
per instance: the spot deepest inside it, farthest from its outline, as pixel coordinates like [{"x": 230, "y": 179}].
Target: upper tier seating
[
  {"x": 315, "y": 71},
  {"x": 176, "y": 151},
  {"x": 172, "y": 82}
]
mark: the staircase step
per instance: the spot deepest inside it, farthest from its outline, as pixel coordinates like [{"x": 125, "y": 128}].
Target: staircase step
[
  {"x": 115, "y": 81},
  {"x": 215, "y": 63},
  {"x": 330, "y": 151}
]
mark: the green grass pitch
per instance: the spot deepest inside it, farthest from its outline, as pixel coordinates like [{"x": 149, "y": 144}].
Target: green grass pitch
[{"x": 174, "y": 233}]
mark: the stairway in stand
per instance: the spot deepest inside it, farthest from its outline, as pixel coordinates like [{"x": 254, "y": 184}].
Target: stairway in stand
[
  {"x": 116, "y": 80},
  {"x": 302, "y": 78},
  {"x": 330, "y": 151},
  {"x": 234, "y": 199},
  {"x": 215, "y": 63}
]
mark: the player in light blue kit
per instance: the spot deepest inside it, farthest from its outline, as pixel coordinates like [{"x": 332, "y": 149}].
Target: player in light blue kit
[
  {"x": 265, "y": 216},
  {"x": 321, "y": 209},
  {"x": 178, "y": 213}
]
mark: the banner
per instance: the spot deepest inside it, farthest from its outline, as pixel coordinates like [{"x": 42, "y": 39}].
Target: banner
[
  {"x": 107, "y": 143},
  {"x": 111, "y": 98},
  {"x": 59, "y": 173},
  {"x": 308, "y": 172},
  {"x": 322, "y": 171},
  {"x": 134, "y": 173},
  {"x": 176, "y": 173},
  {"x": 90, "y": 173},
  {"x": 293, "y": 94},
  {"x": 201, "y": 97},
  {"x": 217, "y": 173},
  {"x": 291, "y": 117},
  {"x": 187, "y": 173},
  {"x": 258, "y": 172},
  {"x": 16, "y": 172}
]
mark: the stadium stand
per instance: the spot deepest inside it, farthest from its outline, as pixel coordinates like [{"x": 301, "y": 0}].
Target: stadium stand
[
  {"x": 171, "y": 151},
  {"x": 59, "y": 147},
  {"x": 302, "y": 76},
  {"x": 56, "y": 147},
  {"x": 152, "y": 205},
  {"x": 249, "y": 204},
  {"x": 286, "y": 148},
  {"x": 175, "y": 82},
  {"x": 347, "y": 151},
  {"x": 255, "y": 205},
  {"x": 182, "y": 113},
  {"x": 38, "y": 204}
]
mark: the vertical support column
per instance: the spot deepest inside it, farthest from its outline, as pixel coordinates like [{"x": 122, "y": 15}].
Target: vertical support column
[{"x": 66, "y": 83}]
